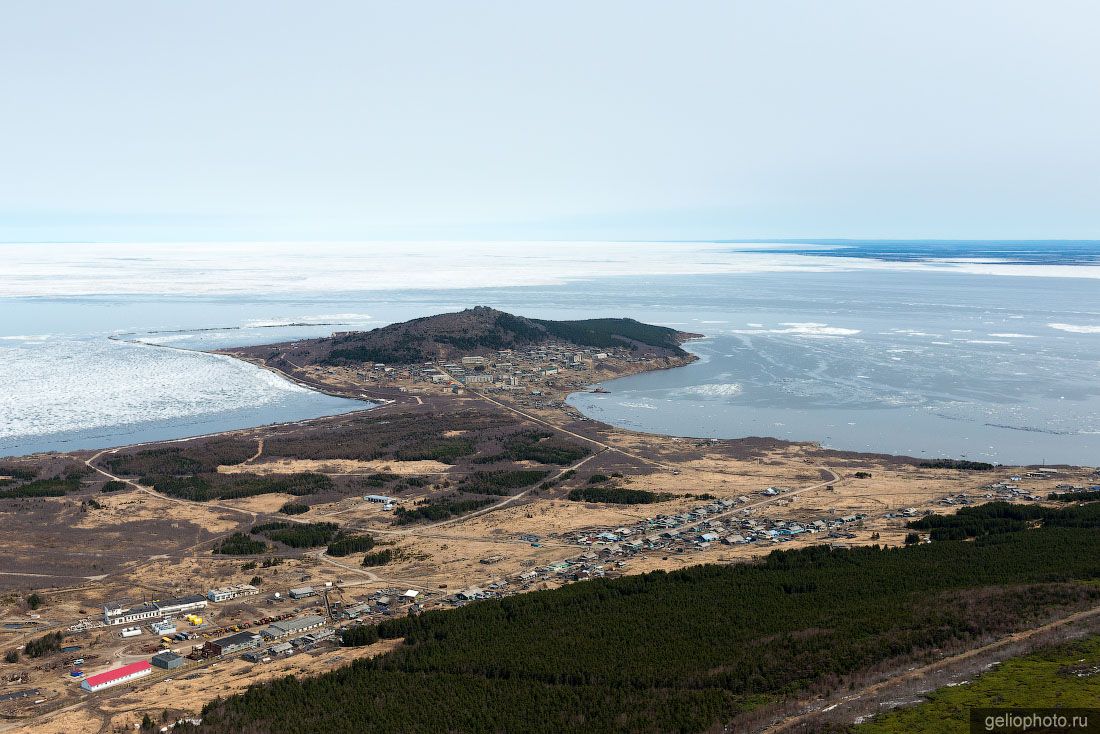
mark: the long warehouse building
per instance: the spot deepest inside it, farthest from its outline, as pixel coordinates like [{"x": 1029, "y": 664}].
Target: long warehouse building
[
  {"x": 120, "y": 613},
  {"x": 293, "y": 626},
  {"x": 116, "y": 677}
]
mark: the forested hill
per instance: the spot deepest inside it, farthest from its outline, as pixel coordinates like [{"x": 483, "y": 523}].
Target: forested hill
[
  {"x": 481, "y": 331},
  {"x": 708, "y": 648}
]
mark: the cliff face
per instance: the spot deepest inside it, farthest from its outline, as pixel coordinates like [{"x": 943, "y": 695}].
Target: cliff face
[{"x": 483, "y": 330}]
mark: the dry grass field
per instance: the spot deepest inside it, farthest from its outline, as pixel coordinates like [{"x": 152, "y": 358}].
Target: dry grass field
[{"x": 79, "y": 550}]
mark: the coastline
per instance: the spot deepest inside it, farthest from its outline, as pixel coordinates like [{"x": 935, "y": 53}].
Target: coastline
[
  {"x": 863, "y": 498},
  {"x": 382, "y": 397},
  {"x": 666, "y": 413},
  {"x": 179, "y": 425}
]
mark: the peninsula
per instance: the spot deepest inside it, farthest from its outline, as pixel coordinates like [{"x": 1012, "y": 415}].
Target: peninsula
[{"x": 514, "y": 545}]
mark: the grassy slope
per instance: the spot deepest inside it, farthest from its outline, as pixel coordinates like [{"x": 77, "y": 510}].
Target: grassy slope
[{"x": 1030, "y": 681}]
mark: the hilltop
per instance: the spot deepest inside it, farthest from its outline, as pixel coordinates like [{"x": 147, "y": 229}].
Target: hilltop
[{"x": 481, "y": 331}]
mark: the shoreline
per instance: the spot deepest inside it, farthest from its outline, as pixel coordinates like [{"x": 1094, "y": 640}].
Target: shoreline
[
  {"x": 378, "y": 402},
  {"x": 383, "y": 397},
  {"x": 788, "y": 441},
  {"x": 601, "y": 425}
]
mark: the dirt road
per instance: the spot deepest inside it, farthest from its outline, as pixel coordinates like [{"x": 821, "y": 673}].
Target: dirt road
[{"x": 821, "y": 706}]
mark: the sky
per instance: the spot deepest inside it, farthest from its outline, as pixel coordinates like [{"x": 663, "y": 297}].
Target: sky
[{"x": 164, "y": 121}]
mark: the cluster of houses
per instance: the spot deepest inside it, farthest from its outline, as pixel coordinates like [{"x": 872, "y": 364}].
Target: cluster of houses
[
  {"x": 384, "y": 603},
  {"x": 1009, "y": 489},
  {"x": 703, "y": 526},
  {"x": 529, "y": 371},
  {"x": 609, "y": 549},
  {"x": 510, "y": 369},
  {"x": 584, "y": 567},
  {"x": 1012, "y": 489},
  {"x": 516, "y": 369},
  {"x": 1072, "y": 488}
]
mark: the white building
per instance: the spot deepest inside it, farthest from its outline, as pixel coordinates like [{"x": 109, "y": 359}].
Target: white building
[
  {"x": 381, "y": 498},
  {"x": 225, "y": 593},
  {"x": 119, "y": 613},
  {"x": 118, "y": 676},
  {"x": 166, "y": 627},
  {"x": 116, "y": 614}
]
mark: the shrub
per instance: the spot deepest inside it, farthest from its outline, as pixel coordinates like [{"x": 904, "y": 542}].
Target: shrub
[
  {"x": 45, "y": 645},
  {"x": 348, "y": 544},
  {"x": 380, "y": 558},
  {"x": 239, "y": 544},
  {"x": 294, "y": 508},
  {"x": 441, "y": 509},
  {"x": 499, "y": 482}
]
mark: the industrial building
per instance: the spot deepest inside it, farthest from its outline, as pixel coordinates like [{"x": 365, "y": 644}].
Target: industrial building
[
  {"x": 123, "y": 613},
  {"x": 226, "y": 593},
  {"x": 282, "y": 648},
  {"x": 182, "y": 605},
  {"x": 231, "y": 644},
  {"x": 381, "y": 498},
  {"x": 115, "y": 677},
  {"x": 290, "y": 627},
  {"x": 355, "y": 611},
  {"x": 166, "y": 627},
  {"x": 319, "y": 636},
  {"x": 302, "y": 592},
  {"x": 116, "y": 614},
  {"x": 167, "y": 660}
]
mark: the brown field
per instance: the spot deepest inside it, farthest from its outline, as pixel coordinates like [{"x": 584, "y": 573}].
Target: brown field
[
  {"x": 83, "y": 549},
  {"x": 341, "y": 466}
]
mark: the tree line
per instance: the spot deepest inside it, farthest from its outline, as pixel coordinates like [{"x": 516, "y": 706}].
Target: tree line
[
  {"x": 616, "y": 495},
  {"x": 693, "y": 650},
  {"x": 995, "y": 518}
]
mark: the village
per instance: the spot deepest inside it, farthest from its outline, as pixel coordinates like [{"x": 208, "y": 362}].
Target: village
[
  {"x": 528, "y": 375},
  {"x": 158, "y": 639},
  {"x": 712, "y": 506}
]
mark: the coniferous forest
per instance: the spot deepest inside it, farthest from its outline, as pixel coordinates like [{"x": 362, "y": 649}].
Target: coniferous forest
[{"x": 692, "y": 650}]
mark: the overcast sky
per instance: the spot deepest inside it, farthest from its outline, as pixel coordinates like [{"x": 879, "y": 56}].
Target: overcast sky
[{"x": 158, "y": 120}]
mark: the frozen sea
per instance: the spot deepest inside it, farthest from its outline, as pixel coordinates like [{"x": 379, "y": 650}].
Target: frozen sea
[{"x": 985, "y": 350}]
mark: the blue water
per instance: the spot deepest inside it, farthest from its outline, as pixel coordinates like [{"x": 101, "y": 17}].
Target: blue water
[
  {"x": 925, "y": 363},
  {"x": 1033, "y": 252}
]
